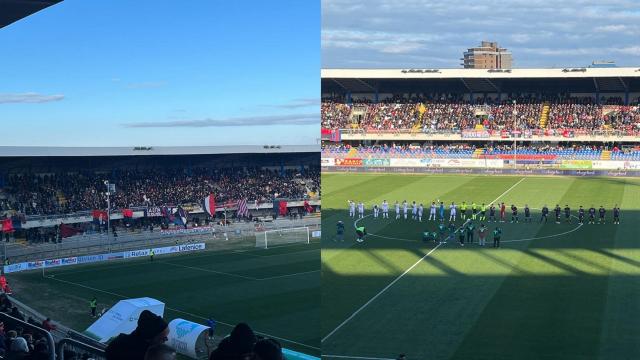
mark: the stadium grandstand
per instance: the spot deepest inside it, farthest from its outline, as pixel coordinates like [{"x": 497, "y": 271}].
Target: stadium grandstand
[
  {"x": 546, "y": 117},
  {"x": 80, "y": 206}
]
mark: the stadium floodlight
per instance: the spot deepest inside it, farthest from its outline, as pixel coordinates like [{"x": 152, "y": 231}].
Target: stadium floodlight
[{"x": 270, "y": 238}]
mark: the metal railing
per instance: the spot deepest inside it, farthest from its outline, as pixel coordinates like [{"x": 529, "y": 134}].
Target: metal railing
[{"x": 11, "y": 323}]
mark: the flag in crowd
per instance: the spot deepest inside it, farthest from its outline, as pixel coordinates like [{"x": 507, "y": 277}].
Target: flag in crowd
[
  {"x": 243, "y": 210},
  {"x": 209, "y": 205}
]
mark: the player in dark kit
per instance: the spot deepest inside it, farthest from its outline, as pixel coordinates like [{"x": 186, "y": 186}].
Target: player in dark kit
[
  {"x": 557, "y": 211},
  {"x": 527, "y": 213},
  {"x": 461, "y": 237},
  {"x": 497, "y": 233},
  {"x": 616, "y": 215},
  {"x": 514, "y": 213},
  {"x": 592, "y": 215},
  {"x": 492, "y": 213},
  {"x": 545, "y": 212},
  {"x": 601, "y": 211},
  {"x": 567, "y": 214},
  {"x": 470, "y": 230},
  {"x": 581, "y": 215}
]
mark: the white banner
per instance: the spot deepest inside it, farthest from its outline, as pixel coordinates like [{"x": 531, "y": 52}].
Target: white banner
[
  {"x": 410, "y": 162},
  {"x": 184, "y": 335},
  {"x": 327, "y": 162},
  {"x": 193, "y": 230},
  {"x": 467, "y": 163}
]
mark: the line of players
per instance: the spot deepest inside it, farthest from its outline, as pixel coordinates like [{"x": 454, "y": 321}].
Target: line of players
[{"x": 479, "y": 212}]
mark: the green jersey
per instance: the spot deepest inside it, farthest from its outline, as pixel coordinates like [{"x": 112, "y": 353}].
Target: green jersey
[
  {"x": 497, "y": 233},
  {"x": 463, "y": 207},
  {"x": 470, "y": 229},
  {"x": 442, "y": 228}
]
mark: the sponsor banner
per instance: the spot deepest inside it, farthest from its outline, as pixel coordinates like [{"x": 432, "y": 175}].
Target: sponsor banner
[
  {"x": 316, "y": 233},
  {"x": 327, "y": 162},
  {"x": 475, "y": 134},
  {"x": 576, "y": 164},
  {"x": 375, "y": 162},
  {"x": 184, "y": 335},
  {"x": 467, "y": 163},
  {"x": 349, "y": 162},
  {"x": 409, "y": 162},
  {"x": 32, "y": 265},
  {"x": 183, "y": 231},
  {"x": 191, "y": 247},
  {"x": 136, "y": 253},
  {"x": 608, "y": 165},
  {"x": 505, "y": 171},
  {"x": 632, "y": 165}
]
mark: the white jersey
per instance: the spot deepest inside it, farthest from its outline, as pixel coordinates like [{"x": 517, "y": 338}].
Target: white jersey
[
  {"x": 414, "y": 210},
  {"x": 361, "y": 208},
  {"x": 420, "y": 209},
  {"x": 433, "y": 209},
  {"x": 352, "y": 206},
  {"x": 452, "y": 208},
  {"x": 405, "y": 207},
  {"x": 397, "y": 207},
  {"x": 385, "y": 207}
]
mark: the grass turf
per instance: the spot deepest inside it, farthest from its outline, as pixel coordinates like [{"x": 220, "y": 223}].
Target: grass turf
[
  {"x": 569, "y": 292},
  {"x": 275, "y": 290}
]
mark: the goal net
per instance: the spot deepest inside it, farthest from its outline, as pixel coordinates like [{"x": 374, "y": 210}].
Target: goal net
[{"x": 271, "y": 238}]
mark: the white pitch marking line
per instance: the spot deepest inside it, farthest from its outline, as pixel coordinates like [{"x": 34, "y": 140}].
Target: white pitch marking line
[
  {"x": 287, "y": 275},
  {"x": 177, "y": 310},
  {"x": 379, "y": 293},
  {"x": 401, "y": 275}
]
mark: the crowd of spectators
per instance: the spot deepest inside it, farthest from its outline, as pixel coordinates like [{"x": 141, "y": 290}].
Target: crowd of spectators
[
  {"x": 452, "y": 113},
  {"x": 44, "y": 194},
  {"x": 18, "y": 342},
  {"x": 434, "y": 150}
]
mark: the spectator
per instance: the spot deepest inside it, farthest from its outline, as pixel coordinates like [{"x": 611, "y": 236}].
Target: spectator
[
  {"x": 267, "y": 349},
  {"x": 48, "y": 325},
  {"x": 238, "y": 345},
  {"x": 18, "y": 344},
  {"x": 160, "y": 352},
  {"x": 151, "y": 330}
]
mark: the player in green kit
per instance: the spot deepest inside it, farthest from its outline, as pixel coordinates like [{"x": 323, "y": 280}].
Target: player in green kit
[
  {"x": 497, "y": 234},
  {"x": 339, "y": 232},
  {"x": 461, "y": 237},
  {"x": 442, "y": 230},
  {"x": 360, "y": 232},
  {"x": 426, "y": 236},
  {"x": 470, "y": 228}
]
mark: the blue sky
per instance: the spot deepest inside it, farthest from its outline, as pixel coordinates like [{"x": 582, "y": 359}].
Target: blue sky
[
  {"x": 197, "y": 72},
  {"x": 428, "y": 33}
]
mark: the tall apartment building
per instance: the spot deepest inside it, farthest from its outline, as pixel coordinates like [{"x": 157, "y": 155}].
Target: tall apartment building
[{"x": 487, "y": 56}]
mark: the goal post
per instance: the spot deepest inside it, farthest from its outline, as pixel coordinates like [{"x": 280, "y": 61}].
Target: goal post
[{"x": 269, "y": 238}]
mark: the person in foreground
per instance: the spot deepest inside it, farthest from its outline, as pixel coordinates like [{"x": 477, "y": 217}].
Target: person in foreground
[{"x": 152, "y": 330}]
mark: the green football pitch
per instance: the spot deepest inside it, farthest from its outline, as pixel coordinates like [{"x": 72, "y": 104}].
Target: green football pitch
[
  {"x": 275, "y": 290},
  {"x": 552, "y": 291}
]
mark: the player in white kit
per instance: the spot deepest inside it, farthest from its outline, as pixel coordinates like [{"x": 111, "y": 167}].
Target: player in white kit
[
  {"x": 397, "y": 210},
  {"x": 420, "y": 210},
  {"x": 414, "y": 211},
  {"x": 432, "y": 211},
  {"x": 452, "y": 212},
  {"x": 405, "y": 208},
  {"x": 376, "y": 211},
  {"x": 361, "y": 210},
  {"x": 385, "y": 209},
  {"x": 352, "y": 208}
]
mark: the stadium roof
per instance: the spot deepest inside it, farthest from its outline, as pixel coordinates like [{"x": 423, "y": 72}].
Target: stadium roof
[
  {"x": 14, "y": 10},
  {"x": 47, "y": 151},
  {"x": 481, "y": 80}
]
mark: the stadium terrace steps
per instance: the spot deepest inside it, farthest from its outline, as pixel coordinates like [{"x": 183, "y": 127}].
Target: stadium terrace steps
[
  {"x": 544, "y": 115},
  {"x": 606, "y": 155}
]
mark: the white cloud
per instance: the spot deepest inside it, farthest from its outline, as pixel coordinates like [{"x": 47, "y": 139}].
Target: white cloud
[
  {"x": 268, "y": 120},
  {"x": 28, "y": 98}
]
